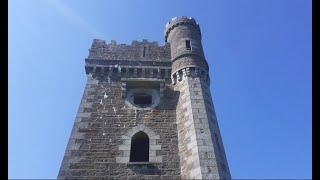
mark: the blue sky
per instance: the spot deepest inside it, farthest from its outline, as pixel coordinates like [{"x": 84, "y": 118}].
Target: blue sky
[{"x": 259, "y": 54}]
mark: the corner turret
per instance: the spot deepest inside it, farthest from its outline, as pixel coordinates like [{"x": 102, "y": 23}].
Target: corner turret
[{"x": 184, "y": 36}]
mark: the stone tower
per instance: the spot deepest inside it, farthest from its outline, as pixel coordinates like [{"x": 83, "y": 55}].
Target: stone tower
[{"x": 147, "y": 112}]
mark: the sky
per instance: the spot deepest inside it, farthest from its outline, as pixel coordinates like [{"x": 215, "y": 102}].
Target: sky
[{"x": 259, "y": 55}]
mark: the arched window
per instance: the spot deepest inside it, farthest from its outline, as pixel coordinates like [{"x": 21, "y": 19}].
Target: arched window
[{"x": 139, "y": 147}]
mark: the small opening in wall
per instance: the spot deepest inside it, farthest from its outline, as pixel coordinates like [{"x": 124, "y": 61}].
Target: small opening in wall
[
  {"x": 89, "y": 69},
  {"x": 188, "y": 45},
  {"x": 163, "y": 73},
  {"x": 147, "y": 72},
  {"x": 155, "y": 72},
  {"x": 142, "y": 100},
  {"x": 144, "y": 51},
  {"x": 139, "y": 151},
  {"x": 131, "y": 71},
  {"x": 123, "y": 71},
  {"x": 139, "y": 72},
  {"x": 98, "y": 69},
  {"x": 106, "y": 70}
]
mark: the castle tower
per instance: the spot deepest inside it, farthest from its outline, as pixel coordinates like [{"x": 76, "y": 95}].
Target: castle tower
[
  {"x": 201, "y": 150},
  {"x": 146, "y": 112}
]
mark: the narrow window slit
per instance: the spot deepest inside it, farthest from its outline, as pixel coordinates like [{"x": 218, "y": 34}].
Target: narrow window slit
[
  {"x": 188, "y": 45},
  {"x": 144, "y": 51}
]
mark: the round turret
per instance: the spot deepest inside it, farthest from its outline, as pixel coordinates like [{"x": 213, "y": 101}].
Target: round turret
[
  {"x": 181, "y": 21},
  {"x": 184, "y": 36}
]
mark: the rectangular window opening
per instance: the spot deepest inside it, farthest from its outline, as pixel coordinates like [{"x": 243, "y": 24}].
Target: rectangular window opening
[
  {"x": 188, "y": 45},
  {"x": 139, "y": 72},
  {"x": 163, "y": 72},
  {"x": 123, "y": 71},
  {"x": 142, "y": 100},
  {"x": 98, "y": 69},
  {"x": 144, "y": 51},
  {"x": 155, "y": 72},
  {"x": 131, "y": 71}
]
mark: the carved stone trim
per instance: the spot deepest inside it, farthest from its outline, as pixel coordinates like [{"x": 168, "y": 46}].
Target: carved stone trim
[
  {"x": 129, "y": 71},
  {"x": 190, "y": 72},
  {"x": 126, "y": 145}
]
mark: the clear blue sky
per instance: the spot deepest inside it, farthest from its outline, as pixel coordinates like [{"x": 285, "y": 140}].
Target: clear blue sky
[{"x": 259, "y": 53}]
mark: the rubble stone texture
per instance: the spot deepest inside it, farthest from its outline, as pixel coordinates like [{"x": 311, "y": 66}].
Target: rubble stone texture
[{"x": 184, "y": 137}]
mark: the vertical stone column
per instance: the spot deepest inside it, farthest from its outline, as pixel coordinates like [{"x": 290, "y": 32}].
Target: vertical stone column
[{"x": 200, "y": 156}]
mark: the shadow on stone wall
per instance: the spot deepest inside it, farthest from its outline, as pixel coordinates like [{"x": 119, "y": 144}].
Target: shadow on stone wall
[{"x": 169, "y": 101}]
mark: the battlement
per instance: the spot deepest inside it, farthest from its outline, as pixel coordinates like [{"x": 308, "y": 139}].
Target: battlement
[
  {"x": 176, "y": 21},
  {"x": 142, "y": 59},
  {"x": 143, "y": 51}
]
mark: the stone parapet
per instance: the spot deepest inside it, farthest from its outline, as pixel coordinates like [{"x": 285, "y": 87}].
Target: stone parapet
[{"x": 143, "y": 51}]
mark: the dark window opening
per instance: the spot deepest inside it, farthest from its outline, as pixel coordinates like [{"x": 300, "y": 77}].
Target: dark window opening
[
  {"x": 123, "y": 71},
  {"x": 163, "y": 73},
  {"x": 89, "y": 69},
  {"x": 188, "y": 45},
  {"x": 139, "y": 151},
  {"x": 142, "y": 100},
  {"x": 139, "y": 72},
  {"x": 130, "y": 71},
  {"x": 106, "y": 70},
  {"x": 144, "y": 51},
  {"x": 147, "y": 72},
  {"x": 155, "y": 72},
  {"x": 98, "y": 69}
]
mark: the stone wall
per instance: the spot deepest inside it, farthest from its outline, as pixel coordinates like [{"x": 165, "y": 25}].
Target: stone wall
[{"x": 99, "y": 135}]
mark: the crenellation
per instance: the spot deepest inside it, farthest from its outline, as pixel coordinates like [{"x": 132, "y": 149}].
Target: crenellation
[{"x": 113, "y": 51}]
